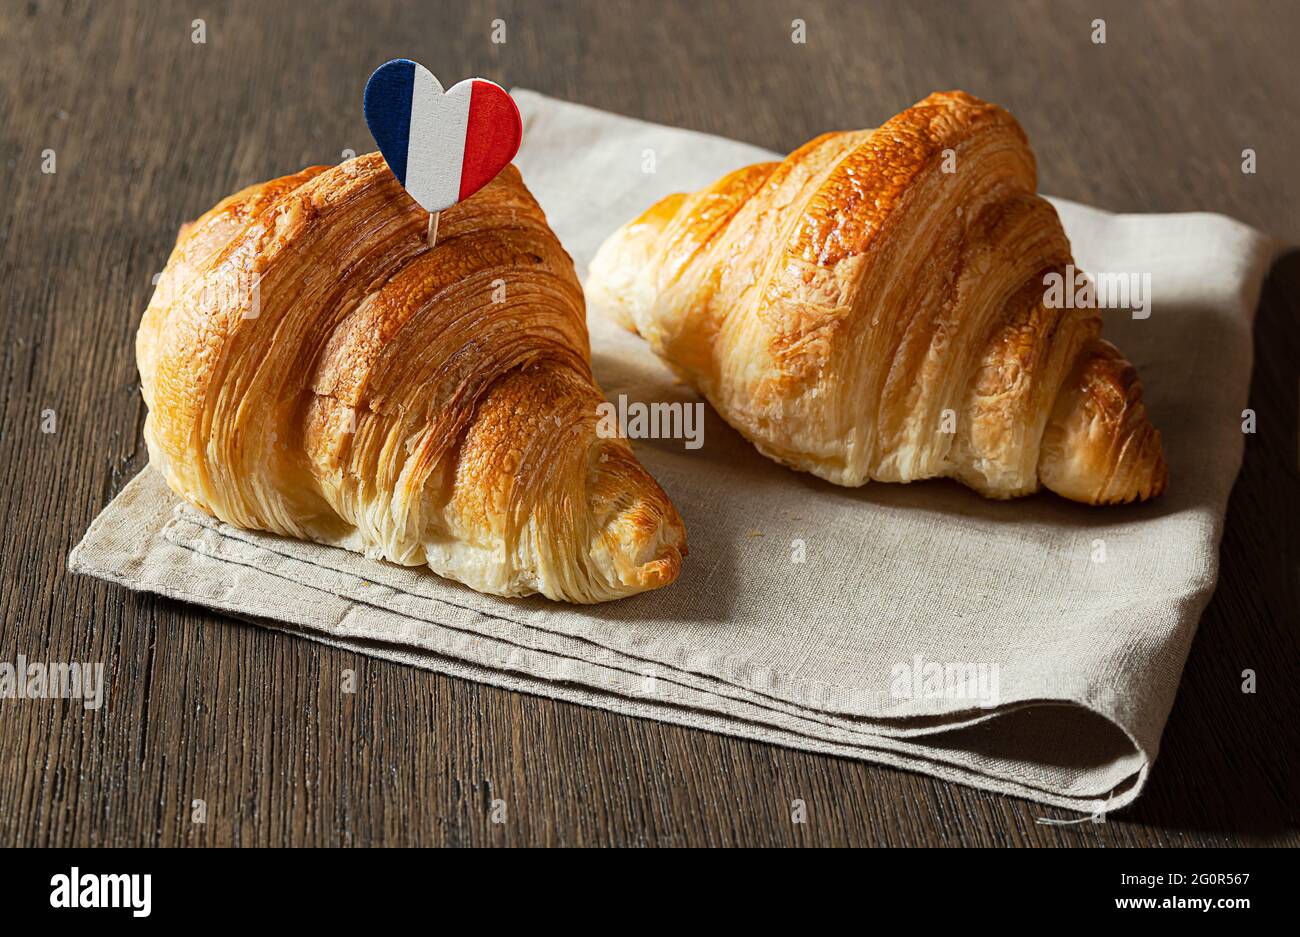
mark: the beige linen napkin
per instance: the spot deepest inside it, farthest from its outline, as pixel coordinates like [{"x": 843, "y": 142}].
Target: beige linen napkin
[{"x": 1031, "y": 647}]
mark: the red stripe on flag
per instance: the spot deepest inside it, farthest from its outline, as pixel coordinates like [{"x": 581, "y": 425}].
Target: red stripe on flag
[{"x": 492, "y": 136}]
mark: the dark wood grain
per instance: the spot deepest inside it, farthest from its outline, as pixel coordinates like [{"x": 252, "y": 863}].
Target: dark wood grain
[{"x": 150, "y": 129}]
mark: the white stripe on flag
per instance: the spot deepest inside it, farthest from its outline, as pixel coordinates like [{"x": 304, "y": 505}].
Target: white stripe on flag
[{"x": 435, "y": 149}]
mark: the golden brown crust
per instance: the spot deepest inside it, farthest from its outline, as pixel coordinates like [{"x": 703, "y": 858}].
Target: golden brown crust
[
  {"x": 873, "y": 307},
  {"x": 313, "y": 369}
]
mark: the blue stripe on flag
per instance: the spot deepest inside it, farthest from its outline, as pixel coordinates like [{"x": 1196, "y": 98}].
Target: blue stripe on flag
[{"x": 387, "y": 107}]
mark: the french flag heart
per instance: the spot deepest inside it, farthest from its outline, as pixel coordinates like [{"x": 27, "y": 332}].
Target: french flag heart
[{"x": 442, "y": 146}]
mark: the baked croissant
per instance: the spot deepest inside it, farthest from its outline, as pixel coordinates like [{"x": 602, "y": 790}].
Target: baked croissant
[
  {"x": 312, "y": 368},
  {"x": 860, "y": 313}
]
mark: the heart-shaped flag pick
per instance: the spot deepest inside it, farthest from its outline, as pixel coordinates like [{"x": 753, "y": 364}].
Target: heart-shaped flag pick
[{"x": 442, "y": 147}]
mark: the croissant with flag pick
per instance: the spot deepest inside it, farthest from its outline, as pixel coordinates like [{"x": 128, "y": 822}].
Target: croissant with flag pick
[
  {"x": 442, "y": 146},
  {"x": 315, "y": 366}
]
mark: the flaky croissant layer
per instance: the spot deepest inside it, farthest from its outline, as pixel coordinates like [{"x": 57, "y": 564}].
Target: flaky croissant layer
[
  {"x": 314, "y": 369},
  {"x": 873, "y": 307}
]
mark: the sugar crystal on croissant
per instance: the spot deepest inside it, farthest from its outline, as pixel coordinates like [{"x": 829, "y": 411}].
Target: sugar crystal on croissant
[
  {"x": 833, "y": 307},
  {"x": 314, "y": 369}
]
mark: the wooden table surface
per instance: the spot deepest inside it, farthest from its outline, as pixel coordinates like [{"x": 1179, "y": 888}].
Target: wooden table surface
[{"x": 150, "y": 128}]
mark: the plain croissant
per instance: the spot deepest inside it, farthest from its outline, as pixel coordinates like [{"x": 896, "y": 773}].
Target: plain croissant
[
  {"x": 314, "y": 369},
  {"x": 860, "y": 313}
]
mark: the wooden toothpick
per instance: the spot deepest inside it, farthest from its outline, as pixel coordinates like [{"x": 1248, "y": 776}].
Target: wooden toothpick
[{"x": 433, "y": 229}]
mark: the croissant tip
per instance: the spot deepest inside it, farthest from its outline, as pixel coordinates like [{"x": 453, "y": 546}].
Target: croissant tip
[
  {"x": 667, "y": 546},
  {"x": 659, "y": 572},
  {"x": 1146, "y": 488}
]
